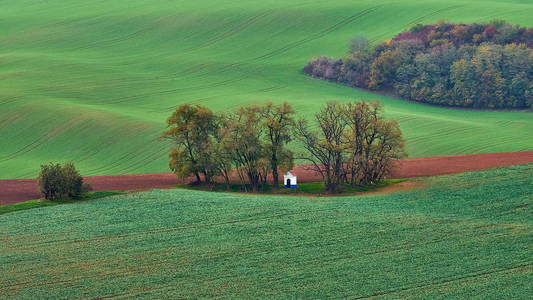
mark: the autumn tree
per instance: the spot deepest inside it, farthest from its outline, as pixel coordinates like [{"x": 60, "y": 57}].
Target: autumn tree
[
  {"x": 383, "y": 70},
  {"x": 224, "y": 153},
  {"x": 278, "y": 122},
  {"x": 191, "y": 128},
  {"x": 374, "y": 143},
  {"x": 243, "y": 139}
]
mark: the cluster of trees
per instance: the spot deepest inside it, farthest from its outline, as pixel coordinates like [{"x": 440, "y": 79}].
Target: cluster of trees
[
  {"x": 353, "y": 143},
  {"x": 464, "y": 65},
  {"x": 251, "y": 140},
  {"x": 61, "y": 182}
]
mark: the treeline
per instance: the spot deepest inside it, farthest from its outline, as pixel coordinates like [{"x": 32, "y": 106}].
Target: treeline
[
  {"x": 464, "y": 65},
  {"x": 353, "y": 143}
]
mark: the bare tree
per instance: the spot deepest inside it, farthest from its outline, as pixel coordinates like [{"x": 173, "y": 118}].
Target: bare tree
[
  {"x": 353, "y": 142},
  {"x": 325, "y": 147},
  {"x": 374, "y": 143}
]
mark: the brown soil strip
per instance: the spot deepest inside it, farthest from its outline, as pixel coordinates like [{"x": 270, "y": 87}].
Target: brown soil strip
[{"x": 18, "y": 190}]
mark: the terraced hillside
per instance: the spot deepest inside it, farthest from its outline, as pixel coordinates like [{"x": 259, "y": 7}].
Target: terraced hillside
[
  {"x": 93, "y": 81},
  {"x": 462, "y": 236}
]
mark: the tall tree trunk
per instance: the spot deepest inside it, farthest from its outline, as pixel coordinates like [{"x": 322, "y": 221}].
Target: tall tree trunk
[
  {"x": 226, "y": 178},
  {"x": 275, "y": 177},
  {"x": 198, "y": 179},
  {"x": 254, "y": 182},
  {"x": 243, "y": 183}
]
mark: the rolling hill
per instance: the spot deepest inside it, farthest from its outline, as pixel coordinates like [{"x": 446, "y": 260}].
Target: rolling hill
[{"x": 93, "y": 82}]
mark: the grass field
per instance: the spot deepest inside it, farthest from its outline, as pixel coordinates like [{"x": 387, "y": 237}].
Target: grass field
[
  {"x": 93, "y": 81},
  {"x": 462, "y": 236}
]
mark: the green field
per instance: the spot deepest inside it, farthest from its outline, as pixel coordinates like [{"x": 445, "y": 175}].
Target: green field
[
  {"x": 93, "y": 81},
  {"x": 462, "y": 236}
]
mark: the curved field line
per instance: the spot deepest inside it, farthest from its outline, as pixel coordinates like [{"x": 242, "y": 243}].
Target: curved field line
[
  {"x": 190, "y": 70},
  {"x": 378, "y": 37},
  {"x": 232, "y": 32},
  {"x": 30, "y": 31},
  {"x": 273, "y": 88},
  {"x": 9, "y": 100},
  {"x": 202, "y": 100},
  {"x": 254, "y": 250},
  {"x": 129, "y": 36},
  {"x": 445, "y": 280},
  {"x": 403, "y": 246},
  {"x": 11, "y": 287},
  {"x": 319, "y": 34},
  {"x": 130, "y": 155},
  {"x": 135, "y": 165},
  {"x": 50, "y": 134},
  {"x": 442, "y": 237},
  {"x": 251, "y": 250},
  {"x": 433, "y": 13},
  {"x": 109, "y": 142},
  {"x": 173, "y": 229},
  {"x": 170, "y": 91},
  {"x": 204, "y": 69},
  {"x": 12, "y": 118},
  {"x": 131, "y": 161},
  {"x": 137, "y": 162}
]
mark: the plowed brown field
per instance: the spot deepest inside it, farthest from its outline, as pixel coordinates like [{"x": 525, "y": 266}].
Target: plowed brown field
[{"x": 17, "y": 190}]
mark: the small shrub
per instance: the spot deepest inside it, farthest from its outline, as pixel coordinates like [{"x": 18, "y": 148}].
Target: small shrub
[
  {"x": 60, "y": 182},
  {"x": 50, "y": 179},
  {"x": 73, "y": 181}
]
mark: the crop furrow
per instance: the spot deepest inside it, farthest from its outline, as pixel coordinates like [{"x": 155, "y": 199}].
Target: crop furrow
[
  {"x": 319, "y": 34},
  {"x": 232, "y": 32},
  {"x": 444, "y": 280}
]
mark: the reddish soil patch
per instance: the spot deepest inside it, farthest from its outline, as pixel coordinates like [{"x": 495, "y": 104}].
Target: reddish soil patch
[
  {"x": 17, "y": 190},
  {"x": 440, "y": 165}
]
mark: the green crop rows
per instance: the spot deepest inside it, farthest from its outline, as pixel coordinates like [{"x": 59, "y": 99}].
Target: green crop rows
[
  {"x": 461, "y": 236},
  {"x": 93, "y": 81}
]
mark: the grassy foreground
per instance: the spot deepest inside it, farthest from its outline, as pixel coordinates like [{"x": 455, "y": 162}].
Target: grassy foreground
[
  {"x": 463, "y": 236},
  {"x": 93, "y": 83},
  {"x": 37, "y": 203}
]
